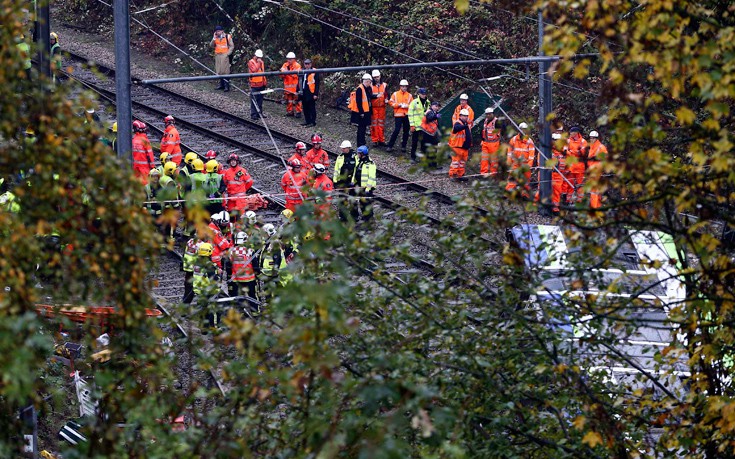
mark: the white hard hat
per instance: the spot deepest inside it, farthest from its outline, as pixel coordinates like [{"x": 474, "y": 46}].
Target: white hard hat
[
  {"x": 556, "y": 136},
  {"x": 523, "y": 126},
  {"x": 464, "y": 112},
  {"x": 251, "y": 217},
  {"x": 258, "y": 53},
  {"x": 269, "y": 229},
  {"x": 90, "y": 110},
  {"x": 594, "y": 134},
  {"x": 489, "y": 110},
  {"x": 346, "y": 144},
  {"x": 367, "y": 77},
  {"x": 376, "y": 72},
  {"x": 241, "y": 238},
  {"x": 403, "y": 83},
  {"x": 464, "y": 96},
  {"x": 290, "y": 55}
]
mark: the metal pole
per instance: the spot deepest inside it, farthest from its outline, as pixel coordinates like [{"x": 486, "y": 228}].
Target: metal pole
[
  {"x": 544, "y": 92},
  {"x": 122, "y": 80},
  {"x": 364, "y": 68},
  {"x": 43, "y": 38}
]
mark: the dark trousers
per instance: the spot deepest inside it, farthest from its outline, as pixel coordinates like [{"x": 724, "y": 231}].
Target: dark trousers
[
  {"x": 347, "y": 206},
  {"x": 309, "y": 108},
  {"x": 256, "y": 101},
  {"x": 364, "y": 205},
  {"x": 188, "y": 287},
  {"x": 433, "y": 141},
  {"x": 416, "y": 138},
  {"x": 244, "y": 289},
  {"x": 362, "y": 127},
  {"x": 401, "y": 122}
]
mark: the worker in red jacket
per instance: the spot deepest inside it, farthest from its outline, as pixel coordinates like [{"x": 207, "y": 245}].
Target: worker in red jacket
[
  {"x": 460, "y": 142},
  {"x": 220, "y": 227},
  {"x": 291, "y": 182},
  {"x": 520, "y": 156},
  {"x": 316, "y": 155},
  {"x": 576, "y": 154},
  {"x": 322, "y": 183},
  {"x": 171, "y": 141},
  {"x": 143, "y": 160},
  {"x": 299, "y": 153},
  {"x": 237, "y": 181}
]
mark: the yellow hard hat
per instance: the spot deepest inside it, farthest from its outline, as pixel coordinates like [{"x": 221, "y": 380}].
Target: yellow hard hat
[
  {"x": 163, "y": 157},
  {"x": 114, "y": 127},
  {"x": 198, "y": 165},
  {"x": 169, "y": 168},
  {"x": 205, "y": 249},
  {"x": 154, "y": 172},
  {"x": 30, "y": 131},
  {"x": 190, "y": 157},
  {"x": 287, "y": 214},
  {"x": 212, "y": 166},
  {"x": 54, "y": 36}
]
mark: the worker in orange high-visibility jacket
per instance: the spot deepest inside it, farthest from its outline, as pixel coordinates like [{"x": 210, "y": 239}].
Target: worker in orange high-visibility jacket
[
  {"x": 460, "y": 141},
  {"x": 309, "y": 91},
  {"x": 430, "y": 128},
  {"x": 298, "y": 153},
  {"x": 576, "y": 155},
  {"x": 597, "y": 153},
  {"x": 243, "y": 281},
  {"x": 521, "y": 153},
  {"x": 219, "y": 227},
  {"x": 223, "y": 48},
  {"x": 237, "y": 182},
  {"x": 400, "y": 101},
  {"x": 360, "y": 107},
  {"x": 464, "y": 105},
  {"x": 257, "y": 85},
  {"x": 143, "y": 160},
  {"x": 171, "y": 141},
  {"x": 377, "y": 128},
  {"x": 559, "y": 182},
  {"x": 292, "y": 182},
  {"x": 490, "y": 144},
  {"x": 291, "y": 86},
  {"x": 317, "y": 155},
  {"x": 322, "y": 183}
]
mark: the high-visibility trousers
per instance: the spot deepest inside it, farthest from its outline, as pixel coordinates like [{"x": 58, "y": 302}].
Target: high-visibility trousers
[
  {"x": 293, "y": 105},
  {"x": 489, "y": 158},
  {"x": 459, "y": 160},
  {"x": 576, "y": 192},
  {"x": 141, "y": 172},
  {"x": 377, "y": 128},
  {"x": 291, "y": 204},
  {"x": 513, "y": 179},
  {"x": 594, "y": 171}
]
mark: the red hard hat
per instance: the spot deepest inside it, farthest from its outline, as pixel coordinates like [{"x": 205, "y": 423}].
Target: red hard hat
[
  {"x": 211, "y": 154},
  {"x": 295, "y": 163},
  {"x": 168, "y": 119},
  {"x": 139, "y": 126},
  {"x": 300, "y": 146},
  {"x": 233, "y": 157},
  {"x": 316, "y": 138}
]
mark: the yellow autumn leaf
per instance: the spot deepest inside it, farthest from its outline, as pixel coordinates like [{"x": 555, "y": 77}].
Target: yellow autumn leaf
[
  {"x": 579, "y": 422},
  {"x": 592, "y": 439},
  {"x": 685, "y": 115}
]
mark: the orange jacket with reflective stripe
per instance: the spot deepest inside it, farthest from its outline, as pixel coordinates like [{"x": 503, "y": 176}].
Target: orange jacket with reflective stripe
[
  {"x": 256, "y": 67},
  {"x": 379, "y": 91},
  {"x": 142, "y": 153},
  {"x": 292, "y": 183},
  {"x": 222, "y": 45},
  {"x": 429, "y": 127},
  {"x": 324, "y": 183},
  {"x": 470, "y": 119},
  {"x": 311, "y": 82},
  {"x": 400, "y": 98},
  {"x": 598, "y": 151},
  {"x": 242, "y": 265},
  {"x": 171, "y": 144},
  {"x": 489, "y": 133},
  {"x": 575, "y": 148},
  {"x": 461, "y": 136},
  {"x": 290, "y": 82},
  {"x": 314, "y": 156},
  {"x": 238, "y": 181},
  {"x": 521, "y": 151},
  {"x": 363, "y": 103}
]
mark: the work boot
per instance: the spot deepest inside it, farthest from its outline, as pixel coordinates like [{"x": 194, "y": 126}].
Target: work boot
[
  {"x": 389, "y": 148},
  {"x": 221, "y": 85},
  {"x": 297, "y": 115},
  {"x": 227, "y": 86}
]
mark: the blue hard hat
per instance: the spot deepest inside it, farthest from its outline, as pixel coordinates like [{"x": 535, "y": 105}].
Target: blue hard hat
[{"x": 363, "y": 150}]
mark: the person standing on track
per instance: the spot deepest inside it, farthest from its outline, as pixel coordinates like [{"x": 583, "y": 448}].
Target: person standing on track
[
  {"x": 55, "y": 56},
  {"x": 576, "y": 148},
  {"x": 377, "y": 127},
  {"x": 299, "y": 153},
  {"x": 290, "y": 86},
  {"x": 460, "y": 142},
  {"x": 143, "y": 160},
  {"x": 490, "y": 144},
  {"x": 400, "y": 100},
  {"x": 309, "y": 92},
  {"x": 520, "y": 157},
  {"x": 365, "y": 182},
  {"x": 322, "y": 183},
  {"x": 223, "y": 48},
  {"x": 597, "y": 153},
  {"x": 316, "y": 155},
  {"x": 257, "y": 85},
  {"x": 416, "y": 111},
  {"x": 430, "y": 128},
  {"x": 171, "y": 141},
  {"x": 237, "y": 183},
  {"x": 360, "y": 106},
  {"x": 291, "y": 183},
  {"x": 464, "y": 105},
  {"x": 243, "y": 281}
]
